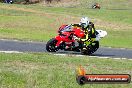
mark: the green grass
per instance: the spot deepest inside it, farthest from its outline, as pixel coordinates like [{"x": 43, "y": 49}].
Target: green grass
[
  {"x": 38, "y": 70},
  {"x": 24, "y": 27},
  {"x": 107, "y": 4},
  {"x": 118, "y": 39},
  {"x": 121, "y": 16},
  {"x": 40, "y": 23}
]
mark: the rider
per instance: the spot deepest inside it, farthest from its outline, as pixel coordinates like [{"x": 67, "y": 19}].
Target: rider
[{"x": 88, "y": 27}]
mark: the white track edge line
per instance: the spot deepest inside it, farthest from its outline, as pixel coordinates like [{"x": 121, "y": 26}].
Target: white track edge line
[
  {"x": 93, "y": 56},
  {"x": 10, "y": 52}
]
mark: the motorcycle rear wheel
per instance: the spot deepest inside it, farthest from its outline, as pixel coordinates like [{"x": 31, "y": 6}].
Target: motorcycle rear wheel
[{"x": 91, "y": 48}]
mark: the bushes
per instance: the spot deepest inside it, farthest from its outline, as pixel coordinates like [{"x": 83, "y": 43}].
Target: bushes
[
  {"x": 49, "y": 1},
  {"x": 1, "y": 0},
  {"x": 26, "y": 1}
]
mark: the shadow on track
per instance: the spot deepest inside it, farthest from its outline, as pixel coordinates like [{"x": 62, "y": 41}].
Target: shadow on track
[{"x": 78, "y": 53}]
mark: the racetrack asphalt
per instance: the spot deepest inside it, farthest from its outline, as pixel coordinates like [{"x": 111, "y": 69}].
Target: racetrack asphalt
[{"x": 22, "y": 46}]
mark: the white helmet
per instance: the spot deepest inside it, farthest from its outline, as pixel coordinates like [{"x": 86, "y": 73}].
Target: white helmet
[{"x": 84, "y": 22}]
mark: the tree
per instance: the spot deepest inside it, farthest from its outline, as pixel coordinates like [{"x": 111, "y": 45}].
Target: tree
[{"x": 1, "y": 0}]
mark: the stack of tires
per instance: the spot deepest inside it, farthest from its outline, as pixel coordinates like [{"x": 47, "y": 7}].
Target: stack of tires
[{"x": 7, "y": 1}]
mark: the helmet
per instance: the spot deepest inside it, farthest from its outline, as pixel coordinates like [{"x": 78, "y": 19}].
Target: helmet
[{"x": 84, "y": 22}]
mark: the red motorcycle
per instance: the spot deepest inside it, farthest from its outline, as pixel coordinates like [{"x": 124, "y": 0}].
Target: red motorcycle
[{"x": 66, "y": 40}]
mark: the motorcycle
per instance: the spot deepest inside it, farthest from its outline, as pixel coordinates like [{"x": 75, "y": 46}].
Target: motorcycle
[
  {"x": 67, "y": 40},
  {"x": 96, "y": 6}
]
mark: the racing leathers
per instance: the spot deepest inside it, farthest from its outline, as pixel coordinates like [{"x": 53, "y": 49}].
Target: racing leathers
[{"x": 90, "y": 32}]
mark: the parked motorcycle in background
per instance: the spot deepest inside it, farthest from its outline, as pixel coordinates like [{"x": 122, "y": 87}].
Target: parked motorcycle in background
[{"x": 68, "y": 37}]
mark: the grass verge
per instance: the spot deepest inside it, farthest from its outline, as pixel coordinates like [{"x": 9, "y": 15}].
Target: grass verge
[
  {"x": 38, "y": 70},
  {"x": 40, "y": 23}
]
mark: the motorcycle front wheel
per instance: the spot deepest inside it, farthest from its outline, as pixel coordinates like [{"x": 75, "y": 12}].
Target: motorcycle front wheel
[{"x": 50, "y": 46}]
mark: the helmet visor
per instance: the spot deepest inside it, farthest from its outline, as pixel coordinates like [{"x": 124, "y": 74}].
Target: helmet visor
[{"x": 84, "y": 25}]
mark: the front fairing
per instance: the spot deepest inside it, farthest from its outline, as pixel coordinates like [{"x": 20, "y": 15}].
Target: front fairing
[
  {"x": 60, "y": 39},
  {"x": 67, "y": 28},
  {"x": 78, "y": 32}
]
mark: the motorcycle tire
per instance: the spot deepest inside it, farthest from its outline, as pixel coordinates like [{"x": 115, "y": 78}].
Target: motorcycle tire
[
  {"x": 50, "y": 46},
  {"x": 91, "y": 48}
]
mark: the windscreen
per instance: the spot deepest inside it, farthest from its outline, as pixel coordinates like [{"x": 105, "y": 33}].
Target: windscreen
[{"x": 67, "y": 28}]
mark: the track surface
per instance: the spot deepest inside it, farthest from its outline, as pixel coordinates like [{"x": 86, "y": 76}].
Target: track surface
[{"x": 9, "y": 45}]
